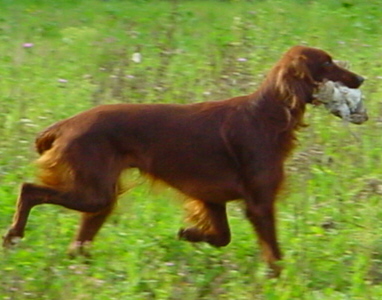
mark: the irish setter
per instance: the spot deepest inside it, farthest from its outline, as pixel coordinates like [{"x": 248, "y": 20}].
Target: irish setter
[{"x": 213, "y": 152}]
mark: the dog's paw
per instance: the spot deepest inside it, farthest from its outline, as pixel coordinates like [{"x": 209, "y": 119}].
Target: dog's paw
[
  {"x": 190, "y": 234},
  {"x": 80, "y": 248},
  {"x": 11, "y": 239}
]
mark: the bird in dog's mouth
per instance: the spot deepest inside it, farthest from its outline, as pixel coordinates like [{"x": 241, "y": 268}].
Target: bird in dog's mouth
[{"x": 342, "y": 101}]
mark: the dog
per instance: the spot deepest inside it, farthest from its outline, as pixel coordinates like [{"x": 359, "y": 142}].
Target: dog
[{"x": 212, "y": 152}]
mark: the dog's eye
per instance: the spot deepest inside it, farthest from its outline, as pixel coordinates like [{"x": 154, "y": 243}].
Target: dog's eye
[{"x": 327, "y": 63}]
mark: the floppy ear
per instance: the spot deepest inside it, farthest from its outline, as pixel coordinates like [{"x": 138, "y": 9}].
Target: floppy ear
[
  {"x": 299, "y": 68},
  {"x": 293, "y": 70},
  {"x": 294, "y": 79}
]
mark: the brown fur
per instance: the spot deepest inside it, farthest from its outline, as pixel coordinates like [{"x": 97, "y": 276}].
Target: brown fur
[{"x": 212, "y": 152}]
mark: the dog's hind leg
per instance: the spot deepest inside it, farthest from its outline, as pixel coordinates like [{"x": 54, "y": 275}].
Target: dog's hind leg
[
  {"x": 20, "y": 218},
  {"x": 90, "y": 224},
  {"x": 211, "y": 224},
  {"x": 94, "y": 201}
]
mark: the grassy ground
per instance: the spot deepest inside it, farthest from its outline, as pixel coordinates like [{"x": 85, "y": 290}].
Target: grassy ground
[{"x": 58, "y": 58}]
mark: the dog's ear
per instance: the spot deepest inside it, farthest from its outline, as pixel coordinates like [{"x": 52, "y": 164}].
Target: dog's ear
[
  {"x": 299, "y": 68},
  {"x": 294, "y": 68},
  {"x": 294, "y": 78}
]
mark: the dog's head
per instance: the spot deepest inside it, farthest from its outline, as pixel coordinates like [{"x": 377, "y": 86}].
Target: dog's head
[
  {"x": 303, "y": 70},
  {"x": 318, "y": 66}
]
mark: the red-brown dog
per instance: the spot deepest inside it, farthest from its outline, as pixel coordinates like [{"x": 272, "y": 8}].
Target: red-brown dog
[{"x": 213, "y": 152}]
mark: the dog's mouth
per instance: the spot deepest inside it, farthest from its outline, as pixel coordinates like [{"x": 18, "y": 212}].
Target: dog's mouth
[{"x": 342, "y": 101}]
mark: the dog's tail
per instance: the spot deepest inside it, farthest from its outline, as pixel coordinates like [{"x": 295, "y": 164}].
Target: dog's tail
[
  {"x": 54, "y": 169},
  {"x": 45, "y": 139}
]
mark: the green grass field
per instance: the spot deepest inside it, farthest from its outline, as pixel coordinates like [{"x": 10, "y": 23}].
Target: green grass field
[{"x": 58, "y": 58}]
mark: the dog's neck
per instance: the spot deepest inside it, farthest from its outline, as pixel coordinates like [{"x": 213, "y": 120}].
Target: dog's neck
[{"x": 289, "y": 98}]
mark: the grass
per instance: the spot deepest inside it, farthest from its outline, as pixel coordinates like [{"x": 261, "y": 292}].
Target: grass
[{"x": 329, "y": 215}]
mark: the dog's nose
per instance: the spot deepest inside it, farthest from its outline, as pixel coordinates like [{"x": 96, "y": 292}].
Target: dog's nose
[{"x": 360, "y": 79}]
